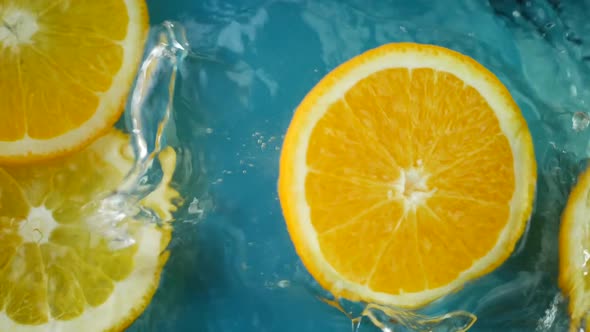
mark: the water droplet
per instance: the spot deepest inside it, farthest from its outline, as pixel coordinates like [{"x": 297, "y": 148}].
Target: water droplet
[
  {"x": 195, "y": 208},
  {"x": 284, "y": 283},
  {"x": 580, "y": 121}
]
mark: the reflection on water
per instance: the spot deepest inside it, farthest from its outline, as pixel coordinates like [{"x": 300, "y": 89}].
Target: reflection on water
[{"x": 233, "y": 266}]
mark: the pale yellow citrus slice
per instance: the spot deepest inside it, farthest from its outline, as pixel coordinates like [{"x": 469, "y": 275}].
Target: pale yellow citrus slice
[
  {"x": 66, "y": 67},
  {"x": 406, "y": 172},
  {"x": 57, "y": 272},
  {"x": 574, "y": 253}
]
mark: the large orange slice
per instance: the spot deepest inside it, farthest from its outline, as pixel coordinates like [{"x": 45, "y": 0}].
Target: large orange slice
[
  {"x": 406, "y": 172},
  {"x": 574, "y": 254},
  {"x": 66, "y": 68}
]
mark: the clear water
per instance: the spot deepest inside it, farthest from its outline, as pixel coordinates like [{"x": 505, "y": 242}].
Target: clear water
[{"x": 232, "y": 265}]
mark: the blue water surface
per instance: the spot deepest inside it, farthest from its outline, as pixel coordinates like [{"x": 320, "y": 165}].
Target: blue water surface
[{"x": 232, "y": 265}]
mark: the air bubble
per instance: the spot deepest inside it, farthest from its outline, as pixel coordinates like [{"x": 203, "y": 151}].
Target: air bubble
[
  {"x": 580, "y": 121},
  {"x": 284, "y": 283}
]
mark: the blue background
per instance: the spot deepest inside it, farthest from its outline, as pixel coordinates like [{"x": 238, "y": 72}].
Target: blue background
[{"x": 232, "y": 265}]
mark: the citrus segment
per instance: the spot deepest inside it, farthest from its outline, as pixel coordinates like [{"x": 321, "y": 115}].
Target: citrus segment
[
  {"x": 405, "y": 173},
  {"x": 574, "y": 253},
  {"x": 58, "y": 272},
  {"x": 65, "y": 72},
  {"x": 12, "y": 200}
]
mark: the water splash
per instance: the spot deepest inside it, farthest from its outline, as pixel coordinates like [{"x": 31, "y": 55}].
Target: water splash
[
  {"x": 151, "y": 104},
  {"x": 389, "y": 319},
  {"x": 147, "y": 116}
]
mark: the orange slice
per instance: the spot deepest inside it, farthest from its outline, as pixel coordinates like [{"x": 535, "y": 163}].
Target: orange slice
[
  {"x": 406, "y": 172},
  {"x": 57, "y": 269},
  {"x": 66, "y": 68},
  {"x": 574, "y": 253}
]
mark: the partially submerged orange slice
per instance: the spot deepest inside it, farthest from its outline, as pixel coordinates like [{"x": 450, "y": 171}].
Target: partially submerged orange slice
[
  {"x": 406, "y": 172},
  {"x": 574, "y": 253},
  {"x": 57, "y": 270},
  {"x": 66, "y": 68}
]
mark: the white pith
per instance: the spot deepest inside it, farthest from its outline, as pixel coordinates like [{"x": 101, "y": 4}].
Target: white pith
[{"x": 17, "y": 27}]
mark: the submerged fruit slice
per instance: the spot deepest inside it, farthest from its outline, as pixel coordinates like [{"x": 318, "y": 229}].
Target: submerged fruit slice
[
  {"x": 65, "y": 70},
  {"x": 57, "y": 273},
  {"x": 406, "y": 172},
  {"x": 574, "y": 253}
]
